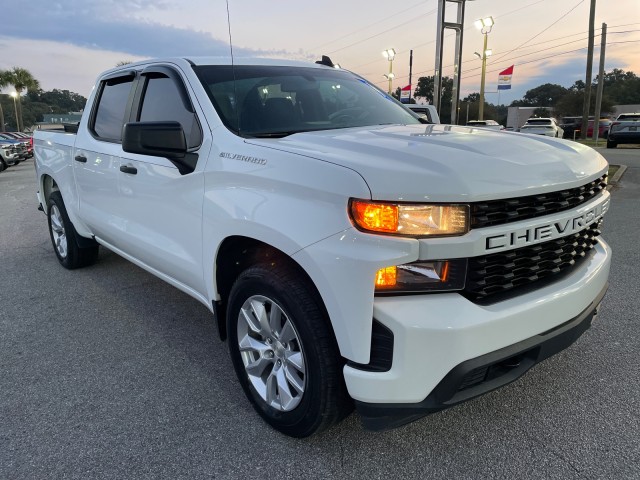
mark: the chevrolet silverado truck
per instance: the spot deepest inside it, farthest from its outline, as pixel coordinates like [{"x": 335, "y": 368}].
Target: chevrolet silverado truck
[{"x": 352, "y": 255}]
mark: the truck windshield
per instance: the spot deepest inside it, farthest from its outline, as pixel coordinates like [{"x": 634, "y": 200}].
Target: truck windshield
[{"x": 276, "y": 101}]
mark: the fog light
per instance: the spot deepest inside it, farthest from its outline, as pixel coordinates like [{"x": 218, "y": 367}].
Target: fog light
[
  {"x": 386, "y": 277},
  {"x": 423, "y": 276}
]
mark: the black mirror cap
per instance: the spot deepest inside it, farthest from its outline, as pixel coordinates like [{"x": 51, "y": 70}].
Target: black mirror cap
[{"x": 159, "y": 139}]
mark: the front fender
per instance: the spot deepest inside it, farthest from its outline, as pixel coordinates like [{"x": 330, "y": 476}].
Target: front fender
[{"x": 343, "y": 268}]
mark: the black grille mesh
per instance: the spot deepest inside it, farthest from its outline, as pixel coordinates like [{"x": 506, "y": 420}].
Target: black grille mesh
[
  {"x": 491, "y": 275},
  {"x": 498, "y": 212}
]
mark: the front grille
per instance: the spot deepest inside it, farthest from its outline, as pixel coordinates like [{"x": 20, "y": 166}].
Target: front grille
[
  {"x": 489, "y": 276},
  {"x": 498, "y": 212}
]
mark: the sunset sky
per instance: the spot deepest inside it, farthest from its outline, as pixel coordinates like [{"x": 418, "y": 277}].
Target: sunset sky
[{"x": 65, "y": 44}]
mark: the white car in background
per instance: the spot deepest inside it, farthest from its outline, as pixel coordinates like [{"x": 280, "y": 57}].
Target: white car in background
[
  {"x": 427, "y": 111},
  {"x": 542, "y": 126},
  {"x": 492, "y": 124}
]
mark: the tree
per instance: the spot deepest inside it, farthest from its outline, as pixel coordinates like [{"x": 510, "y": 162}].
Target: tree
[
  {"x": 541, "y": 112},
  {"x": 471, "y": 103},
  {"x": 472, "y": 97},
  {"x": 571, "y": 104},
  {"x": 545, "y": 95},
  {"x": 622, "y": 87},
  {"x": 578, "y": 86},
  {"x": 425, "y": 89},
  {"x": 60, "y": 101},
  {"x": 22, "y": 80},
  {"x": 3, "y": 83}
]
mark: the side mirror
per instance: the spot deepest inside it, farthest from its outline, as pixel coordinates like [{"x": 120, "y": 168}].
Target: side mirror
[{"x": 160, "y": 139}]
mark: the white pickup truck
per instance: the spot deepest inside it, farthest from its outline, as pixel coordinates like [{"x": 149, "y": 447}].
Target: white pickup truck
[{"x": 350, "y": 253}]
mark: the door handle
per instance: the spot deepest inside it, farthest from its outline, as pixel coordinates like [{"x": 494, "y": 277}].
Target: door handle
[
  {"x": 80, "y": 158},
  {"x": 128, "y": 169}
]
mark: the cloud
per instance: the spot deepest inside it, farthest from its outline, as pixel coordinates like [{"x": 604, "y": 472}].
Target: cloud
[{"x": 112, "y": 26}]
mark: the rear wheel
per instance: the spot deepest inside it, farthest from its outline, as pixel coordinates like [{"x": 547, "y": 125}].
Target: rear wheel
[
  {"x": 64, "y": 237},
  {"x": 284, "y": 352}
]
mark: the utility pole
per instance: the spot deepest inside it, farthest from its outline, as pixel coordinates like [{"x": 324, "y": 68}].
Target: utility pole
[
  {"x": 587, "y": 86},
  {"x": 410, "y": 72},
  {"x": 596, "y": 116}
]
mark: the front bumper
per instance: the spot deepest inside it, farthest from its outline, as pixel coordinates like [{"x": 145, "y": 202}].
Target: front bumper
[
  {"x": 435, "y": 334},
  {"x": 482, "y": 374},
  {"x": 12, "y": 159}
]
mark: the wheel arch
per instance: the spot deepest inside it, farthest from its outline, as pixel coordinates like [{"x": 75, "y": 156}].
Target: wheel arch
[
  {"x": 48, "y": 185},
  {"x": 235, "y": 254}
]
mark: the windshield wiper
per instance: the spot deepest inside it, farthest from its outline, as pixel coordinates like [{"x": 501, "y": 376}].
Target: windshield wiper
[{"x": 277, "y": 134}]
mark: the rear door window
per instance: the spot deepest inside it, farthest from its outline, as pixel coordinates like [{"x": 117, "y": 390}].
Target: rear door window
[{"x": 111, "y": 108}]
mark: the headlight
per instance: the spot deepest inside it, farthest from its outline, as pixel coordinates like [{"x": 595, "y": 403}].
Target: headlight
[
  {"x": 415, "y": 220},
  {"x": 423, "y": 276}
]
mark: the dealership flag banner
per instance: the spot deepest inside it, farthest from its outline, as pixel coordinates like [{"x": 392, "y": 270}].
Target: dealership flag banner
[
  {"x": 504, "y": 78},
  {"x": 404, "y": 94}
]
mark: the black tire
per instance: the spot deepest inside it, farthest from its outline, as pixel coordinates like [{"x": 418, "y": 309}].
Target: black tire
[
  {"x": 324, "y": 400},
  {"x": 3, "y": 165},
  {"x": 611, "y": 144},
  {"x": 62, "y": 231}
]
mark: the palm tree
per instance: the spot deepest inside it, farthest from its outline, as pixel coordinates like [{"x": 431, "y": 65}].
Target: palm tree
[
  {"x": 22, "y": 80},
  {"x": 3, "y": 83}
]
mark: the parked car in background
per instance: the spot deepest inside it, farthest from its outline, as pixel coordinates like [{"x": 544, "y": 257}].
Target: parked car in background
[
  {"x": 27, "y": 140},
  {"x": 8, "y": 155},
  {"x": 22, "y": 147},
  {"x": 427, "y": 111},
  {"x": 543, "y": 126},
  {"x": 569, "y": 125},
  {"x": 492, "y": 124},
  {"x": 625, "y": 129},
  {"x": 603, "y": 128}
]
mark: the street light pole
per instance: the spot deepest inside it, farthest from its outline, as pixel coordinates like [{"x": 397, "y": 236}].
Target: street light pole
[
  {"x": 15, "y": 106},
  {"x": 390, "y": 54},
  {"x": 485, "y": 25},
  {"x": 482, "y": 81}
]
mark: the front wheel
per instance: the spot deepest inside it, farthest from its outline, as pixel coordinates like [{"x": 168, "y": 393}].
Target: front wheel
[
  {"x": 611, "y": 144},
  {"x": 65, "y": 238},
  {"x": 284, "y": 352}
]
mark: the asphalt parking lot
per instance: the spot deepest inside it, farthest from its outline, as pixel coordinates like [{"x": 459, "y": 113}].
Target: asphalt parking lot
[{"x": 107, "y": 372}]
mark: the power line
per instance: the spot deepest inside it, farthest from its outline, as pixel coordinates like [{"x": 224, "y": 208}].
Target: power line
[
  {"x": 448, "y": 36},
  {"x": 536, "y": 44},
  {"x": 551, "y": 56},
  {"x": 549, "y": 48},
  {"x": 368, "y": 26},
  {"x": 537, "y": 59},
  {"x": 385, "y": 31},
  {"x": 541, "y": 32}
]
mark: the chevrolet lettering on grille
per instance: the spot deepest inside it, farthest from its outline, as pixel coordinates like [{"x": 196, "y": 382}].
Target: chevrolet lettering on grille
[{"x": 567, "y": 224}]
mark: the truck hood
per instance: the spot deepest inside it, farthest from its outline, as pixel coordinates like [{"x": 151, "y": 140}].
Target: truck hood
[{"x": 445, "y": 163}]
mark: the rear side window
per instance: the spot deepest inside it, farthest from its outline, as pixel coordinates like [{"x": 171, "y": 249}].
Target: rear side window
[
  {"x": 109, "y": 117},
  {"x": 164, "y": 102}
]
